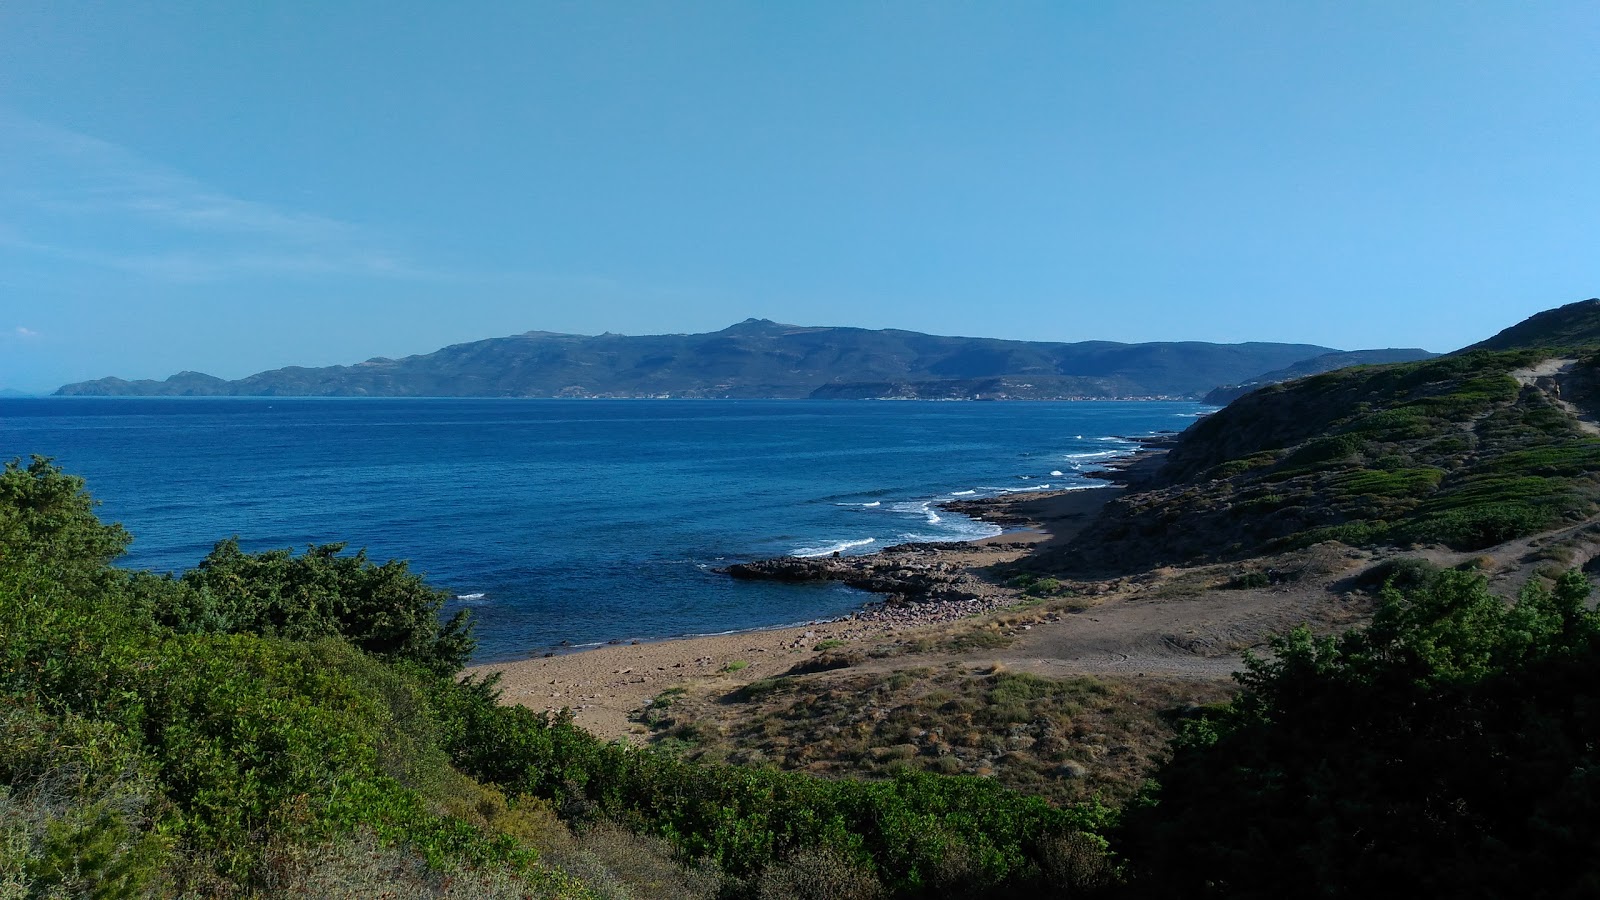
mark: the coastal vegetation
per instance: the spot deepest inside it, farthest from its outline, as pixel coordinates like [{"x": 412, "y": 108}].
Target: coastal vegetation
[
  {"x": 143, "y": 757},
  {"x": 146, "y": 751},
  {"x": 1468, "y": 451},
  {"x": 260, "y": 723},
  {"x": 1449, "y": 749},
  {"x": 288, "y": 724}
]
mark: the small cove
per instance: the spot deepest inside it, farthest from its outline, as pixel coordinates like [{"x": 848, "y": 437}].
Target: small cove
[{"x": 558, "y": 520}]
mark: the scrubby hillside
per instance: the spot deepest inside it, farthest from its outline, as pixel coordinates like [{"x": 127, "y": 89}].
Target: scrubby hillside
[
  {"x": 1468, "y": 451},
  {"x": 1573, "y": 325},
  {"x": 1327, "y": 362}
]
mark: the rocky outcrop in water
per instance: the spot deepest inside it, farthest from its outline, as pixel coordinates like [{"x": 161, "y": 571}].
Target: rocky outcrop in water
[{"x": 907, "y": 572}]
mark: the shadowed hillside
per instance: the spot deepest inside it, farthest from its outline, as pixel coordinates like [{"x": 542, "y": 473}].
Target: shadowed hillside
[
  {"x": 1573, "y": 325},
  {"x": 1328, "y": 362},
  {"x": 1468, "y": 450}
]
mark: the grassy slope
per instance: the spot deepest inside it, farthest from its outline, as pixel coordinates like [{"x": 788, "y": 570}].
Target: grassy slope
[
  {"x": 1451, "y": 451},
  {"x": 1066, "y": 740}
]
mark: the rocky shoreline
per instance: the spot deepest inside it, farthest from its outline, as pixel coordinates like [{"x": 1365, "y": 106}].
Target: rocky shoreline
[
  {"x": 924, "y": 583},
  {"x": 905, "y": 572},
  {"x": 924, "y": 587}
]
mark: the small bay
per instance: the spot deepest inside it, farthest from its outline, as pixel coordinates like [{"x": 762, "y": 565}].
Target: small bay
[{"x": 561, "y": 520}]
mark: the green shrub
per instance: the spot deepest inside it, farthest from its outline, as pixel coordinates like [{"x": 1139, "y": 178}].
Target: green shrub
[
  {"x": 1444, "y": 751},
  {"x": 1044, "y": 587},
  {"x": 1325, "y": 449},
  {"x": 48, "y": 520},
  {"x": 1401, "y": 573},
  {"x": 1248, "y": 580},
  {"x": 1480, "y": 527},
  {"x": 1412, "y": 482},
  {"x": 384, "y": 609},
  {"x": 756, "y": 690}
]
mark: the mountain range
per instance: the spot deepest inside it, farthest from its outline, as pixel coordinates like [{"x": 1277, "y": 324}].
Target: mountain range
[{"x": 759, "y": 358}]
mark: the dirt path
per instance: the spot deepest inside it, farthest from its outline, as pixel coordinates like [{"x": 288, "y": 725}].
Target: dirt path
[
  {"x": 1199, "y": 636},
  {"x": 1548, "y": 377}
]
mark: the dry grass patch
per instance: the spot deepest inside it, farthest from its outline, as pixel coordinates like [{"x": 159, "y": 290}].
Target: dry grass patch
[{"x": 1063, "y": 739}]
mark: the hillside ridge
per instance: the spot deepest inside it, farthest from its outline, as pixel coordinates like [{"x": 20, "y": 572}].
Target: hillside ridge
[
  {"x": 756, "y": 358},
  {"x": 1491, "y": 443}
]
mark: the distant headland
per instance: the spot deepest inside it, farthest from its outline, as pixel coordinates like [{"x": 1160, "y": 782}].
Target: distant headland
[{"x": 761, "y": 359}]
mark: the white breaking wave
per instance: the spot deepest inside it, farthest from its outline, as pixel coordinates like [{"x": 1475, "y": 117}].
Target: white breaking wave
[
  {"x": 867, "y": 505},
  {"x": 470, "y": 597},
  {"x": 966, "y": 493},
  {"x": 923, "y": 508},
  {"x": 1064, "y": 487},
  {"x": 967, "y": 530},
  {"x": 1056, "y": 473},
  {"x": 1099, "y": 454},
  {"x": 806, "y": 552}
]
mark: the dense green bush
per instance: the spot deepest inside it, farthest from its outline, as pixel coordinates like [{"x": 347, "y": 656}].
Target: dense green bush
[
  {"x": 47, "y": 518},
  {"x": 1402, "y": 573},
  {"x": 384, "y": 609},
  {"x": 1448, "y": 750},
  {"x": 139, "y": 757}
]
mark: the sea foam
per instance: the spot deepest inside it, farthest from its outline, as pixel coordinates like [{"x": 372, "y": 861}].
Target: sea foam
[{"x": 808, "y": 552}]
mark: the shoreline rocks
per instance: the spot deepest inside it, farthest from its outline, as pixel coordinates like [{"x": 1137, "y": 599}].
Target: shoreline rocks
[{"x": 905, "y": 572}]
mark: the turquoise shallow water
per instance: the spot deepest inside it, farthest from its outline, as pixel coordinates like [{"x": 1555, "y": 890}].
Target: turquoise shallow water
[{"x": 581, "y": 521}]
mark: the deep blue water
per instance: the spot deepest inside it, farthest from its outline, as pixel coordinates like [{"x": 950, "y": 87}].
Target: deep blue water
[{"x": 559, "y": 520}]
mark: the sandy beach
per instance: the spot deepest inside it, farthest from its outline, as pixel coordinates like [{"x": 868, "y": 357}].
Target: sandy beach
[{"x": 606, "y": 687}]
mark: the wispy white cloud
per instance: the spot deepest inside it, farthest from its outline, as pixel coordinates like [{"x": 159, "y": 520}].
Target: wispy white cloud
[
  {"x": 26, "y": 333},
  {"x": 73, "y": 197}
]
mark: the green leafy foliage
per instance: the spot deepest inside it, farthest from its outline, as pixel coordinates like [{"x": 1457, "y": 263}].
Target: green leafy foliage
[
  {"x": 140, "y": 757},
  {"x": 48, "y": 519},
  {"x": 1447, "y": 750},
  {"x": 384, "y": 609}
]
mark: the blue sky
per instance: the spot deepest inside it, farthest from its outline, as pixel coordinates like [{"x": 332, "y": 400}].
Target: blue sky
[{"x": 230, "y": 187}]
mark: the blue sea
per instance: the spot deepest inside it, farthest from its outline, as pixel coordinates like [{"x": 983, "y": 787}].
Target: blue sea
[{"x": 571, "y": 521}]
